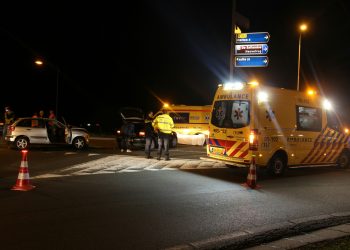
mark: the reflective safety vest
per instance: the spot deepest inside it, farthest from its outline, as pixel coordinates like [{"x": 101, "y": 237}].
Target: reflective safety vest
[
  {"x": 9, "y": 117},
  {"x": 35, "y": 122},
  {"x": 164, "y": 123}
]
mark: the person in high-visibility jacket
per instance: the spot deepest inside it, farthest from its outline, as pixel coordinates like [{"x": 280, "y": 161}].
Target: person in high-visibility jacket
[
  {"x": 9, "y": 117},
  {"x": 163, "y": 125},
  {"x": 149, "y": 134}
]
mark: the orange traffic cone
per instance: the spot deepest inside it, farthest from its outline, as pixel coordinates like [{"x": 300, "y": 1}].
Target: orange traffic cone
[
  {"x": 22, "y": 183},
  {"x": 251, "y": 178}
]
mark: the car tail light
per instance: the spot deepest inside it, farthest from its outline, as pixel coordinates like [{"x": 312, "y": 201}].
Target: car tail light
[
  {"x": 142, "y": 133},
  {"x": 253, "y": 139},
  {"x": 11, "y": 128}
]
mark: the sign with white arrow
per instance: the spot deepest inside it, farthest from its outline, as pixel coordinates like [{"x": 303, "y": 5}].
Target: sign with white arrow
[
  {"x": 257, "y": 37},
  {"x": 251, "y": 49},
  {"x": 251, "y": 61}
]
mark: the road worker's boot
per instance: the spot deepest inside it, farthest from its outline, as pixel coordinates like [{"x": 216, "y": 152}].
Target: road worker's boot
[
  {"x": 167, "y": 158},
  {"x": 158, "y": 156}
]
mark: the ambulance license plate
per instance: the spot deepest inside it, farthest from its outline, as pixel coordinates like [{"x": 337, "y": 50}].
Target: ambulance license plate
[{"x": 217, "y": 150}]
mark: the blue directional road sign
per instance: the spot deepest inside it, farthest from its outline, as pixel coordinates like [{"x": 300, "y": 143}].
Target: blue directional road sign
[
  {"x": 251, "y": 49},
  {"x": 251, "y": 61},
  {"x": 257, "y": 37}
]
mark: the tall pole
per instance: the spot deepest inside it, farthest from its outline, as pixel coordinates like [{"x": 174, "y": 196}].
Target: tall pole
[
  {"x": 299, "y": 62},
  {"x": 57, "y": 82},
  {"x": 233, "y": 26}
]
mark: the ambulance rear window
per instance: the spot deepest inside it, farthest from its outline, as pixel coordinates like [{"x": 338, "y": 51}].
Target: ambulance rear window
[{"x": 231, "y": 114}]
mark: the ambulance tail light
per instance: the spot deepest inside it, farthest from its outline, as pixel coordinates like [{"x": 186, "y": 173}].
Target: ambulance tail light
[{"x": 253, "y": 140}]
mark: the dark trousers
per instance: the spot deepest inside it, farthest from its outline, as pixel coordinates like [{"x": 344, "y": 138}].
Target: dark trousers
[
  {"x": 125, "y": 143},
  {"x": 148, "y": 145},
  {"x": 163, "y": 141}
]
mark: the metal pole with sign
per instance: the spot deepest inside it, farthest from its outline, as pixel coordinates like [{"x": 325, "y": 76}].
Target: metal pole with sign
[{"x": 238, "y": 20}]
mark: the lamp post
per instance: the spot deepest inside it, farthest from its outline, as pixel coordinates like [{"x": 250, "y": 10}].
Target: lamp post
[
  {"x": 40, "y": 63},
  {"x": 302, "y": 28}
]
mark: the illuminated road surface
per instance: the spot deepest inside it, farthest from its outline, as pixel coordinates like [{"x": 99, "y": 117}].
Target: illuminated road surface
[{"x": 95, "y": 200}]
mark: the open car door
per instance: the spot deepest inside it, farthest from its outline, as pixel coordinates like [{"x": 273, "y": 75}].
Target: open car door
[{"x": 67, "y": 132}]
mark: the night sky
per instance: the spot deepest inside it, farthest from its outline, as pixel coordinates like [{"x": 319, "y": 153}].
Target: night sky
[{"x": 177, "y": 50}]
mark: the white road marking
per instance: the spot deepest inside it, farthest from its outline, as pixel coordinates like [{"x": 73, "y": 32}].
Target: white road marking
[
  {"x": 92, "y": 154},
  {"x": 121, "y": 164}
]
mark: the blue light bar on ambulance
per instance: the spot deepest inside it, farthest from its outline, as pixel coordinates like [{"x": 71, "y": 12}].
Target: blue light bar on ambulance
[{"x": 233, "y": 86}]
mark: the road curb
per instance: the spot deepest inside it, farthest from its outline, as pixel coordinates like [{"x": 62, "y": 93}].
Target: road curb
[{"x": 268, "y": 233}]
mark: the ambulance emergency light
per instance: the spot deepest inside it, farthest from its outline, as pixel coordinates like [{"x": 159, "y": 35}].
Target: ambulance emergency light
[
  {"x": 327, "y": 105},
  {"x": 262, "y": 97},
  {"x": 233, "y": 86}
]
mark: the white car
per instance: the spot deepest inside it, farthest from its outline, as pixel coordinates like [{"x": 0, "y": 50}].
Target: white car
[{"x": 26, "y": 131}]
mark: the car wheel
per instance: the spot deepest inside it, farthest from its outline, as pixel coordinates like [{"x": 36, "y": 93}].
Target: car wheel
[
  {"x": 79, "y": 143},
  {"x": 344, "y": 160},
  {"x": 277, "y": 165},
  {"x": 22, "y": 143}
]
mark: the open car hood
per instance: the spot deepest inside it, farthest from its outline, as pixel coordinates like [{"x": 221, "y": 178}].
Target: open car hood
[{"x": 131, "y": 114}]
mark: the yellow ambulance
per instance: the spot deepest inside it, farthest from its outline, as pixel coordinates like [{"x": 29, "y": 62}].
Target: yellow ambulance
[
  {"x": 278, "y": 127},
  {"x": 189, "y": 120}
]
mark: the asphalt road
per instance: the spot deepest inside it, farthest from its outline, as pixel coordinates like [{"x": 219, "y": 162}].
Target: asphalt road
[{"x": 102, "y": 199}]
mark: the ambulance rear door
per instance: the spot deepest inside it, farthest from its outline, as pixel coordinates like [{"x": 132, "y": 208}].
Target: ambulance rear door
[
  {"x": 237, "y": 145},
  {"x": 231, "y": 119}
]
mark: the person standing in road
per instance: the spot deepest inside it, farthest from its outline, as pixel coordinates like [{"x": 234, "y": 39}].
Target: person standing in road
[
  {"x": 9, "y": 117},
  {"x": 52, "y": 115},
  {"x": 149, "y": 134},
  {"x": 41, "y": 122},
  {"x": 52, "y": 126},
  {"x": 163, "y": 124},
  {"x": 127, "y": 132},
  {"x": 35, "y": 122},
  {"x": 41, "y": 113}
]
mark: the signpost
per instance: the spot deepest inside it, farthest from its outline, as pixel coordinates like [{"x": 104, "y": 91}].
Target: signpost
[
  {"x": 257, "y": 37},
  {"x": 251, "y": 61},
  {"x": 249, "y": 48}
]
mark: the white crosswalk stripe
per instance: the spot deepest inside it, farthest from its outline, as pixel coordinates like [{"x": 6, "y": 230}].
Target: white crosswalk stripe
[{"x": 121, "y": 164}]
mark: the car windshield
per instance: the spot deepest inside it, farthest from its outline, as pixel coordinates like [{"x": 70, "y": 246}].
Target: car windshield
[{"x": 131, "y": 113}]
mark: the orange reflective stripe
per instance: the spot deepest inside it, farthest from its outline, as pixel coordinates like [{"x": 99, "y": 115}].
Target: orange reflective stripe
[
  {"x": 235, "y": 150},
  {"x": 315, "y": 150}
]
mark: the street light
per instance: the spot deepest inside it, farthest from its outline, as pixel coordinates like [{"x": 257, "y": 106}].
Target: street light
[
  {"x": 302, "y": 28},
  {"x": 41, "y": 63}
]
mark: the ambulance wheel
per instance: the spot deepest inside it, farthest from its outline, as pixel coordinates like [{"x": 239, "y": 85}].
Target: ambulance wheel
[
  {"x": 344, "y": 160},
  {"x": 277, "y": 165}
]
